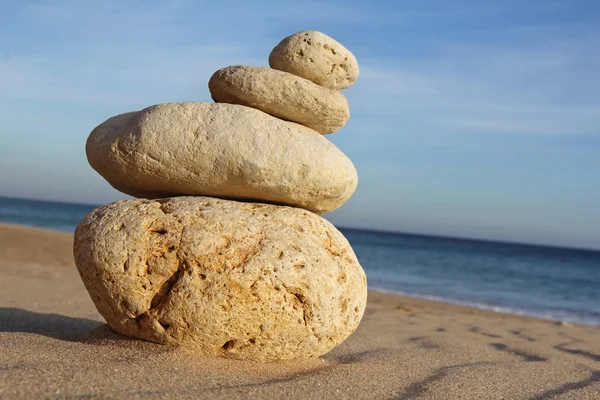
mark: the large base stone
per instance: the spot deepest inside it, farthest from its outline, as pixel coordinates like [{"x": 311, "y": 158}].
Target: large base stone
[{"x": 243, "y": 280}]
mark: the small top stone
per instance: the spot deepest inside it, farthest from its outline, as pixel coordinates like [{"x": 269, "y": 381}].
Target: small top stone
[{"x": 316, "y": 57}]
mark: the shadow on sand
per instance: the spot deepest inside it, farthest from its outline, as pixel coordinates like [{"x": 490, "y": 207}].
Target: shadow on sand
[{"x": 51, "y": 325}]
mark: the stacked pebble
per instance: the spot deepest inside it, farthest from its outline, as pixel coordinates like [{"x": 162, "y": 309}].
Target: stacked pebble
[{"x": 206, "y": 269}]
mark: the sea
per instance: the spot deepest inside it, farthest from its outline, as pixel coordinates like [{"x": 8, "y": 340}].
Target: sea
[{"x": 549, "y": 282}]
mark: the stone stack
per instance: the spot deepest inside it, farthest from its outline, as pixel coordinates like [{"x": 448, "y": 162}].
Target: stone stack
[{"x": 239, "y": 264}]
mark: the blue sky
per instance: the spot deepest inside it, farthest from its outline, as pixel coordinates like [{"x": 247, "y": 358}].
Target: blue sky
[{"x": 470, "y": 118}]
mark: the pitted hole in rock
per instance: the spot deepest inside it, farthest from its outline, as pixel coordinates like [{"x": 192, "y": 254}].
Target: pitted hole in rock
[
  {"x": 252, "y": 341},
  {"x": 138, "y": 319},
  {"x": 299, "y": 301},
  {"x": 300, "y": 297},
  {"x": 228, "y": 346},
  {"x": 164, "y": 325},
  {"x": 159, "y": 231},
  {"x": 344, "y": 306}
]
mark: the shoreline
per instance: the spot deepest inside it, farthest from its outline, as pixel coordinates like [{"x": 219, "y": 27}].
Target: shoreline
[
  {"x": 494, "y": 310},
  {"x": 423, "y": 303}
]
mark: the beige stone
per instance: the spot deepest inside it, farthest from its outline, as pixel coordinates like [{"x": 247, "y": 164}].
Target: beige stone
[
  {"x": 220, "y": 277},
  {"x": 281, "y": 95},
  {"x": 221, "y": 150},
  {"x": 316, "y": 57}
]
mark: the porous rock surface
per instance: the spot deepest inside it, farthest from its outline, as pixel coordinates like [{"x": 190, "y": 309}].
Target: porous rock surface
[
  {"x": 316, "y": 57},
  {"x": 221, "y": 150},
  {"x": 243, "y": 280},
  {"x": 281, "y": 95}
]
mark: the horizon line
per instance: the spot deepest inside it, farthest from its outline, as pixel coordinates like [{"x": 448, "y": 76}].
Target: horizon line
[{"x": 381, "y": 230}]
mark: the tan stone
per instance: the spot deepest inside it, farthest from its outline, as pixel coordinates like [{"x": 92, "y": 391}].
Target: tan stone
[
  {"x": 243, "y": 280},
  {"x": 221, "y": 150},
  {"x": 281, "y": 95},
  {"x": 316, "y": 57}
]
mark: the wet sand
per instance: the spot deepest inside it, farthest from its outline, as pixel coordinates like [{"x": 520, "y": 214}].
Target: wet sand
[{"x": 54, "y": 344}]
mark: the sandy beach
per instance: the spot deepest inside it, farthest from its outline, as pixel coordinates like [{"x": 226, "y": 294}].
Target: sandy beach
[{"x": 54, "y": 344}]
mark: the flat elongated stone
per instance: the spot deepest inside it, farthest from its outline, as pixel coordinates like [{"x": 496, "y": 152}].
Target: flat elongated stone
[
  {"x": 243, "y": 280},
  {"x": 316, "y": 57},
  {"x": 281, "y": 95},
  {"x": 220, "y": 150}
]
